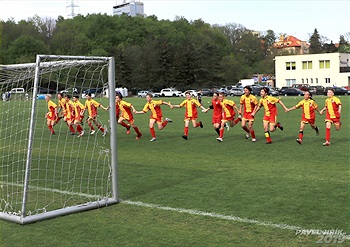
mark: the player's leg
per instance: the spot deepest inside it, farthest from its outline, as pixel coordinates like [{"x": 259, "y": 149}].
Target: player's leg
[
  {"x": 314, "y": 127},
  {"x": 132, "y": 123},
  {"x": 70, "y": 126},
  {"x": 251, "y": 130},
  {"x": 301, "y": 132},
  {"x": 122, "y": 123},
  {"x": 222, "y": 129},
  {"x": 151, "y": 128},
  {"x": 50, "y": 124},
  {"x": 328, "y": 133},
  {"x": 185, "y": 135},
  {"x": 267, "y": 132},
  {"x": 89, "y": 121},
  {"x": 163, "y": 124},
  {"x": 195, "y": 124}
]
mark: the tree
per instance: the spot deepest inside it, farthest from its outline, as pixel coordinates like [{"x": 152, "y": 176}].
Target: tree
[{"x": 315, "y": 43}]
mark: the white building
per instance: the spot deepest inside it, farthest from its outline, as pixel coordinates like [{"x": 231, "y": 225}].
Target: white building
[
  {"x": 131, "y": 8},
  {"x": 327, "y": 69}
]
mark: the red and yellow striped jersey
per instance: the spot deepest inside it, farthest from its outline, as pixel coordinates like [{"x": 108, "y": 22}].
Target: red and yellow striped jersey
[
  {"x": 125, "y": 109},
  {"x": 309, "y": 106},
  {"x": 51, "y": 106},
  {"x": 92, "y": 105},
  {"x": 332, "y": 105},
  {"x": 249, "y": 103},
  {"x": 191, "y": 107},
  {"x": 227, "y": 108},
  {"x": 154, "y": 107},
  {"x": 217, "y": 108},
  {"x": 78, "y": 108},
  {"x": 269, "y": 104},
  {"x": 69, "y": 109}
]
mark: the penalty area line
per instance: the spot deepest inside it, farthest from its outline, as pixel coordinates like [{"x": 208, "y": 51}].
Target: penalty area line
[{"x": 226, "y": 217}]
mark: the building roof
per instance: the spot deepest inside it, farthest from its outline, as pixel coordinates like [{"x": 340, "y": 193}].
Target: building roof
[{"x": 289, "y": 41}]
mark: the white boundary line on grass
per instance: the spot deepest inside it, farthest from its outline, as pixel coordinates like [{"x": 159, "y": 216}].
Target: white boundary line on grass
[{"x": 297, "y": 229}]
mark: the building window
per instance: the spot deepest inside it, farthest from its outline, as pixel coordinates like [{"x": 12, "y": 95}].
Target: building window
[
  {"x": 325, "y": 64},
  {"x": 290, "y": 65},
  {"x": 316, "y": 80},
  {"x": 307, "y": 80},
  {"x": 312, "y": 80},
  {"x": 290, "y": 82},
  {"x": 306, "y": 64},
  {"x": 302, "y": 81},
  {"x": 328, "y": 80}
]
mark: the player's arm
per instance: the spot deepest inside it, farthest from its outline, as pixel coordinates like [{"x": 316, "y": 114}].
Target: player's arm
[
  {"x": 291, "y": 109},
  {"x": 168, "y": 104},
  {"x": 323, "y": 109},
  {"x": 104, "y": 108},
  {"x": 284, "y": 107},
  {"x": 176, "y": 106},
  {"x": 339, "y": 109},
  {"x": 256, "y": 109},
  {"x": 240, "y": 108},
  {"x": 138, "y": 112}
]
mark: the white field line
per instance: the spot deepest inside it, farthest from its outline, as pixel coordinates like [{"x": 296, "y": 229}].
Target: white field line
[{"x": 297, "y": 229}]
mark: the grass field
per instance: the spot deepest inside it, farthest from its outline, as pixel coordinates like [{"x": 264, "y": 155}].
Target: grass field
[{"x": 201, "y": 192}]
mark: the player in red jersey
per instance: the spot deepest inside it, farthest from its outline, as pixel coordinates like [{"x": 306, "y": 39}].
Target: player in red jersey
[
  {"x": 270, "y": 113},
  {"x": 156, "y": 114},
  {"x": 61, "y": 107},
  {"x": 309, "y": 107},
  {"x": 69, "y": 114},
  {"x": 126, "y": 110},
  {"x": 333, "y": 112},
  {"x": 51, "y": 115},
  {"x": 78, "y": 115},
  {"x": 248, "y": 102},
  {"x": 217, "y": 112},
  {"x": 228, "y": 114},
  {"x": 191, "y": 113},
  {"x": 92, "y": 105}
]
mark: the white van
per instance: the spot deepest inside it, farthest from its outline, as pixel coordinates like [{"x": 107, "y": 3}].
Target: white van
[{"x": 17, "y": 90}]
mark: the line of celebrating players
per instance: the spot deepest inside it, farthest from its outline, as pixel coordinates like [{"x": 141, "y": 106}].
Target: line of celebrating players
[{"x": 224, "y": 112}]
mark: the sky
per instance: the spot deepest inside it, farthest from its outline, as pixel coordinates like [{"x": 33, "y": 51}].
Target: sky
[{"x": 299, "y": 18}]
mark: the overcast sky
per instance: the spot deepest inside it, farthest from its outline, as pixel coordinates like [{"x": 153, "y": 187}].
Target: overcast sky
[{"x": 298, "y": 18}]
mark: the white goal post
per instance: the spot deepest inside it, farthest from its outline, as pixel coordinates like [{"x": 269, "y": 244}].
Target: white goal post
[{"x": 56, "y": 165}]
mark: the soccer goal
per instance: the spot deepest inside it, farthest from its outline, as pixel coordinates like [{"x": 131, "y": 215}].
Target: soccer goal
[{"x": 45, "y": 175}]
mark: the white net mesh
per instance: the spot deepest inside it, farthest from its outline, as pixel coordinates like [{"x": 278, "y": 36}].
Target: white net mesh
[{"x": 66, "y": 169}]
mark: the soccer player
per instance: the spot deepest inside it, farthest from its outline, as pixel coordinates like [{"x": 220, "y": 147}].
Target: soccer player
[
  {"x": 228, "y": 110},
  {"x": 191, "y": 113},
  {"x": 92, "y": 105},
  {"x": 51, "y": 115},
  {"x": 126, "y": 110},
  {"x": 78, "y": 115},
  {"x": 61, "y": 107},
  {"x": 199, "y": 96},
  {"x": 248, "y": 102},
  {"x": 156, "y": 114},
  {"x": 309, "y": 107},
  {"x": 270, "y": 114},
  {"x": 69, "y": 114},
  {"x": 333, "y": 111},
  {"x": 217, "y": 112}
]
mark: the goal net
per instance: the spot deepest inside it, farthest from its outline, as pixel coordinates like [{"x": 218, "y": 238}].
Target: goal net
[{"x": 49, "y": 165}]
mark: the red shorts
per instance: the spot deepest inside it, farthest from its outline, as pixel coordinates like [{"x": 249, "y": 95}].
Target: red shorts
[
  {"x": 51, "y": 116},
  {"x": 333, "y": 120},
  {"x": 216, "y": 120},
  {"x": 159, "y": 119},
  {"x": 78, "y": 119},
  {"x": 229, "y": 118},
  {"x": 190, "y": 118},
  {"x": 248, "y": 116},
  {"x": 271, "y": 119},
  {"x": 308, "y": 121}
]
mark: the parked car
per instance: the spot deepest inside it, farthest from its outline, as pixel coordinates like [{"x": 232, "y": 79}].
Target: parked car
[
  {"x": 316, "y": 90},
  {"x": 205, "y": 91},
  {"x": 70, "y": 91},
  {"x": 292, "y": 92},
  {"x": 303, "y": 87},
  {"x": 337, "y": 91},
  {"x": 256, "y": 90},
  {"x": 17, "y": 90},
  {"x": 235, "y": 91},
  {"x": 170, "y": 92},
  {"x": 142, "y": 94},
  {"x": 281, "y": 91},
  {"x": 192, "y": 92},
  {"x": 223, "y": 90}
]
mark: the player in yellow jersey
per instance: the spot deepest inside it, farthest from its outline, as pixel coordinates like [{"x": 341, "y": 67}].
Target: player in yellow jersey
[
  {"x": 78, "y": 115},
  {"x": 51, "y": 115},
  {"x": 248, "y": 102},
  {"x": 333, "y": 112},
  {"x": 69, "y": 114},
  {"x": 309, "y": 107},
  {"x": 191, "y": 113},
  {"x": 156, "y": 114},
  {"x": 91, "y": 106},
  {"x": 61, "y": 107}
]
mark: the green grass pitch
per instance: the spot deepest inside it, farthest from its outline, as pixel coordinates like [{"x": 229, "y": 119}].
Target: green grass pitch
[{"x": 306, "y": 186}]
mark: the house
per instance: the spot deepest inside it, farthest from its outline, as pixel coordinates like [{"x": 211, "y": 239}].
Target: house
[
  {"x": 291, "y": 45},
  {"x": 326, "y": 69}
]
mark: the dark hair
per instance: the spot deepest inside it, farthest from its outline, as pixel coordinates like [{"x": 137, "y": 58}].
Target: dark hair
[
  {"x": 68, "y": 96},
  {"x": 266, "y": 89},
  {"x": 76, "y": 96},
  {"x": 249, "y": 88},
  {"x": 330, "y": 89},
  {"x": 149, "y": 94},
  {"x": 89, "y": 94},
  {"x": 119, "y": 95},
  {"x": 60, "y": 94}
]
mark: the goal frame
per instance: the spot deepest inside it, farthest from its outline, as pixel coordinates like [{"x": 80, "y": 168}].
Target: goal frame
[{"x": 22, "y": 218}]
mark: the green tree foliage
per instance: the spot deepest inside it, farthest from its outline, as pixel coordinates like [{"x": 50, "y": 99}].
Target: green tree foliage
[
  {"x": 315, "y": 43},
  {"x": 149, "y": 53}
]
